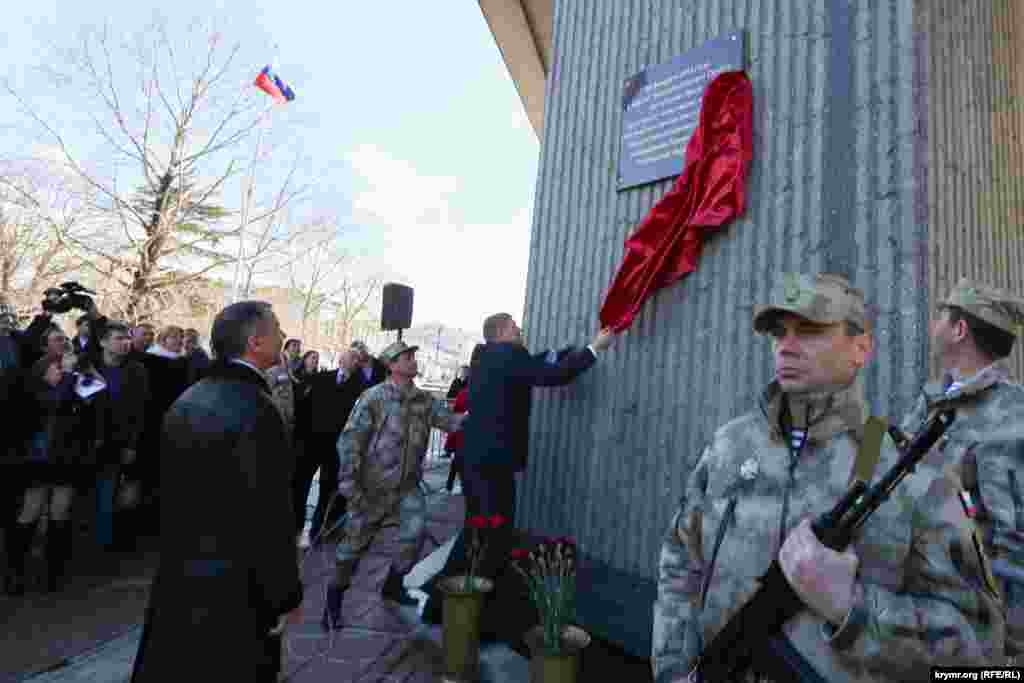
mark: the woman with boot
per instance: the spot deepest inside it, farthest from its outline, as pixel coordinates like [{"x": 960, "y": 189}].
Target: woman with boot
[{"x": 58, "y": 457}]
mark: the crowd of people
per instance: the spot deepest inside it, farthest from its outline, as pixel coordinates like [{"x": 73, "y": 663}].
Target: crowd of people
[
  {"x": 87, "y": 436},
  {"x": 84, "y": 424},
  {"x": 933, "y": 578}
]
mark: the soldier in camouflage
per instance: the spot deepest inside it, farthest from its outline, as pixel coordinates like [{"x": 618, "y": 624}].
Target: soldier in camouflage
[
  {"x": 381, "y": 453},
  {"x": 282, "y": 391},
  {"x": 892, "y": 605},
  {"x": 981, "y": 457}
]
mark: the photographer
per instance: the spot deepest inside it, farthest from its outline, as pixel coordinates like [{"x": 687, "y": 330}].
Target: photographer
[
  {"x": 58, "y": 460},
  {"x": 17, "y": 351}
]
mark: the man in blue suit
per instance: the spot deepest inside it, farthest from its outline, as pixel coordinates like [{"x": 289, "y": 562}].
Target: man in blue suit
[{"x": 497, "y": 433}]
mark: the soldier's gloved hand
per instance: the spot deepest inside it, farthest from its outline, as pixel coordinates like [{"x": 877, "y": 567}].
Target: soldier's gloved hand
[{"x": 821, "y": 577}]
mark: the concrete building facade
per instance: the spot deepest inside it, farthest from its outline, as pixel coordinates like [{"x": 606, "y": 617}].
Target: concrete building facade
[{"x": 887, "y": 147}]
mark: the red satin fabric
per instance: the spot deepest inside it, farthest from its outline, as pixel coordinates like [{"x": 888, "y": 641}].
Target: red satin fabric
[{"x": 709, "y": 193}]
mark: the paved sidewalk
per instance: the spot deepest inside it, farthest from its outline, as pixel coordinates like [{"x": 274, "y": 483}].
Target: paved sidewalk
[
  {"x": 380, "y": 642},
  {"x": 105, "y": 598}
]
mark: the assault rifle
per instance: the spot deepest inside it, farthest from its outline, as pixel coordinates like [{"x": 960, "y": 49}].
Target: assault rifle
[{"x": 753, "y": 635}]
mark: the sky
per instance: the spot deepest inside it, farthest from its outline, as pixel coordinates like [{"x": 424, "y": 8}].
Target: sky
[{"x": 410, "y": 129}]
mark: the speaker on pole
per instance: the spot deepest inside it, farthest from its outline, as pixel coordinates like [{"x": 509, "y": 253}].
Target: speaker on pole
[{"x": 396, "y": 312}]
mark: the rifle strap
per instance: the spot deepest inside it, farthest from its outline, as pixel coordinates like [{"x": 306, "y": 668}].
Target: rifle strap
[
  {"x": 963, "y": 477},
  {"x": 870, "y": 449}
]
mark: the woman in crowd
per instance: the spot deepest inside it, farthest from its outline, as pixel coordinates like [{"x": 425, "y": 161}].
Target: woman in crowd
[
  {"x": 59, "y": 458},
  {"x": 169, "y": 342},
  {"x": 453, "y": 443},
  {"x": 308, "y": 367},
  {"x": 168, "y": 370}
]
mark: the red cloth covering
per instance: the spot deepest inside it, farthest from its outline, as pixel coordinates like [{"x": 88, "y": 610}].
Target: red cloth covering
[{"x": 709, "y": 193}]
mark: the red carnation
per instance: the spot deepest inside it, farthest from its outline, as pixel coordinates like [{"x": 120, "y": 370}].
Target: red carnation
[
  {"x": 520, "y": 554},
  {"x": 478, "y": 522},
  {"x": 567, "y": 541},
  {"x": 497, "y": 520}
]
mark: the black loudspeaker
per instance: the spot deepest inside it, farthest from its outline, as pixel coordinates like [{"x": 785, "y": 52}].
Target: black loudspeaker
[{"x": 396, "y": 313}]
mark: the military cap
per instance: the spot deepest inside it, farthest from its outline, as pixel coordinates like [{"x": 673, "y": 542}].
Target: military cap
[
  {"x": 997, "y": 307},
  {"x": 821, "y": 298},
  {"x": 392, "y": 352}
]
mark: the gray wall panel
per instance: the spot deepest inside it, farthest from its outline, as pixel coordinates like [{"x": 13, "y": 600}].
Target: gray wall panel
[{"x": 610, "y": 454}]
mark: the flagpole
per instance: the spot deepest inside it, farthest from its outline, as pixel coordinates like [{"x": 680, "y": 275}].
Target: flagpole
[{"x": 246, "y": 203}]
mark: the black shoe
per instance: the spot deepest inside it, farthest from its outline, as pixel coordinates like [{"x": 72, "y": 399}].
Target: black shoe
[
  {"x": 126, "y": 529},
  {"x": 331, "y": 620},
  {"x": 19, "y": 543},
  {"x": 394, "y": 590},
  {"x": 58, "y": 553},
  {"x": 432, "y": 608}
]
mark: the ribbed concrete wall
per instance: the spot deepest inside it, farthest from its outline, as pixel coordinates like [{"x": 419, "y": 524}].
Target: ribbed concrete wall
[
  {"x": 974, "y": 66},
  {"x": 829, "y": 188}
]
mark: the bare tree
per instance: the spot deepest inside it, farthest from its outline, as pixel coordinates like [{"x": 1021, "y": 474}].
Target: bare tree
[
  {"x": 36, "y": 209},
  {"x": 353, "y": 308},
  {"x": 316, "y": 271},
  {"x": 176, "y": 132}
]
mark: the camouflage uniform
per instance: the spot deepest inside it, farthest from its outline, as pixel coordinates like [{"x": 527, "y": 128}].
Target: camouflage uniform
[
  {"x": 381, "y": 451},
  {"x": 750, "y": 489},
  {"x": 282, "y": 392},
  {"x": 983, "y": 451}
]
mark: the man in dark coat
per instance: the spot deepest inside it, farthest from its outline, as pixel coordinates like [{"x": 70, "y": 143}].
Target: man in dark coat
[
  {"x": 374, "y": 370},
  {"x": 332, "y": 394},
  {"x": 121, "y": 415},
  {"x": 228, "y": 580},
  {"x": 195, "y": 357}
]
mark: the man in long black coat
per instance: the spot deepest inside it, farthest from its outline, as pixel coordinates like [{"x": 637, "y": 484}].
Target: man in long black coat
[
  {"x": 228, "y": 574},
  {"x": 332, "y": 394}
]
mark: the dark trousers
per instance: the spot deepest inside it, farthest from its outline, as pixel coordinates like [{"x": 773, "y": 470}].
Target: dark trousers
[
  {"x": 273, "y": 649},
  {"x": 454, "y": 470},
  {"x": 317, "y": 452},
  {"x": 509, "y": 613},
  {"x": 488, "y": 491}
]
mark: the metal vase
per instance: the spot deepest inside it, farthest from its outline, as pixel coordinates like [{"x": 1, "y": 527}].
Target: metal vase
[
  {"x": 556, "y": 668},
  {"x": 460, "y": 626}
]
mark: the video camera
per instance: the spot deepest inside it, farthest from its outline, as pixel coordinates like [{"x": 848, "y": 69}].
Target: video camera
[{"x": 66, "y": 297}]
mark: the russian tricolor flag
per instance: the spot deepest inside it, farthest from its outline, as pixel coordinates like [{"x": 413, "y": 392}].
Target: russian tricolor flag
[{"x": 269, "y": 83}]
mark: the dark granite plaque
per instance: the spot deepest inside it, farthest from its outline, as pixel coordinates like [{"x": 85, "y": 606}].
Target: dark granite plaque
[{"x": 661, "y": 109}]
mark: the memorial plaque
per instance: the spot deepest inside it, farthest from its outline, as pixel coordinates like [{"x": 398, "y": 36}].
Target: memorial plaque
[{"x": 661, "y": 109}]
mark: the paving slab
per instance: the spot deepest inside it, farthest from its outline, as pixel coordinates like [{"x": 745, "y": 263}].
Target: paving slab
[{"x": 380, "y": 641}]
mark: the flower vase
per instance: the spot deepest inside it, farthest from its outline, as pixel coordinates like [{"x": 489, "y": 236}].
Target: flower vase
[
  {"x": 547, "y": 667},
  {"x": 460, "y": 626}
]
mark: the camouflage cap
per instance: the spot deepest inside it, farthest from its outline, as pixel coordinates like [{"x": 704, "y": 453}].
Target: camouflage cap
[
  {"x": 997, "y": 307},
  {"x": 393, "y": 351},
  {"x": 821, "y": 298}
]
